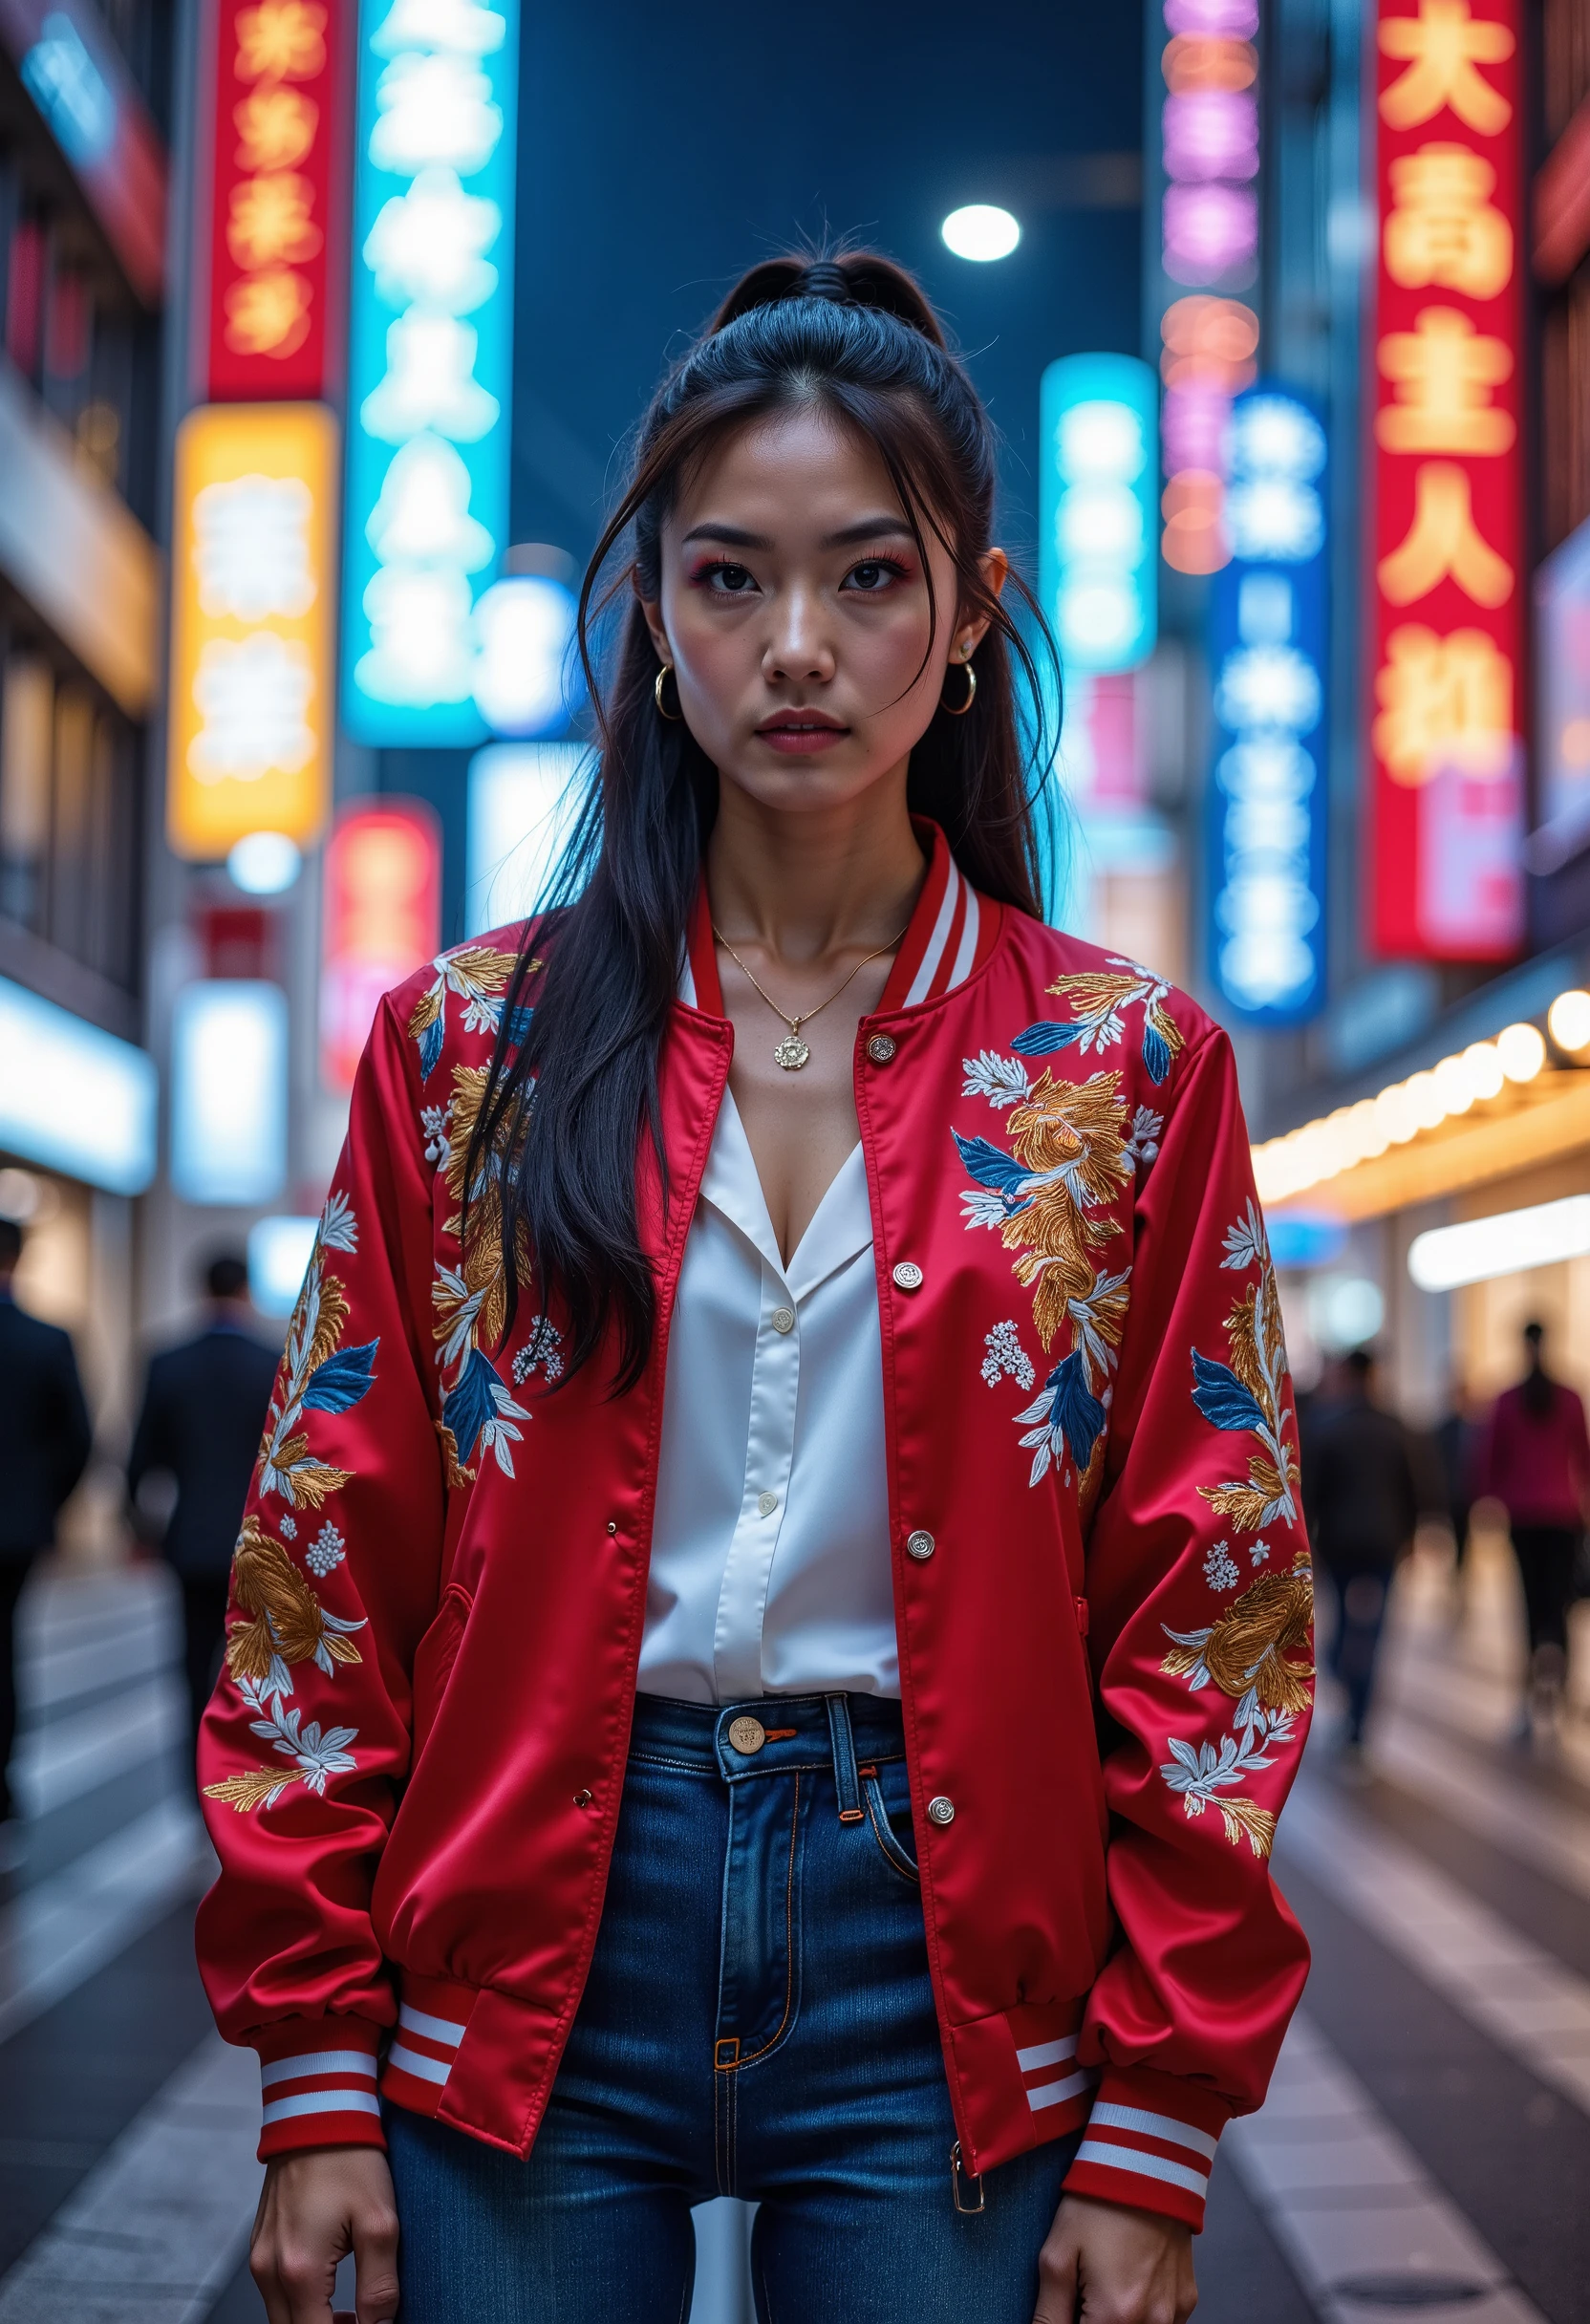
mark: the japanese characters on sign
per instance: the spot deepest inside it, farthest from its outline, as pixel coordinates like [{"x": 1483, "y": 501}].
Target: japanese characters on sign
[
  {"x": 429, "y": 362},
  {"x": 250, "y": 725},
  {"x": 272, "y": 223},
  {"x": 382, "y": 918},
  {"x": 1447, "y": 610},
  {"x": 1209, "y": 245},
  {"x": 1268, "y": 648}
]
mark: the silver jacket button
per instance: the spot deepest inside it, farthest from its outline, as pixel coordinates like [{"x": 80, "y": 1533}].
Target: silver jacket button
[
  {"x": 941, "y": 1810},
  {"x": 881, "y": 1048},
  {"x": 920, "y": 1545},
  {"x": 907, "y": 1276}
]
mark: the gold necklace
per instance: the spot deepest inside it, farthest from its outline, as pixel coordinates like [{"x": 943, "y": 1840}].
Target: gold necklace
[{"x": 792, "y": 1051}]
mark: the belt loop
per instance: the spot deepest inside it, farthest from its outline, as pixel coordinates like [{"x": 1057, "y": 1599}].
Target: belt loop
[{"x": 847, "y": 1781}]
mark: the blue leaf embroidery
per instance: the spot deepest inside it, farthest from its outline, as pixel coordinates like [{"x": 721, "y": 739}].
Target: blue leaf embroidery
[
  {"x": 989, "y": 1164},
  {"x": 1075, "y": 1408},
  {"x": 519, "y": 1024},
  {"x": 469, "y": 1405},
  {"x": 1221, "y": 1397},
  {"x": 1156, "y": 1053},
  {"x": 430, "y": 1049},
  {"x": 338, "y": 1385},
  {"x": 1041, "y": 1040}
]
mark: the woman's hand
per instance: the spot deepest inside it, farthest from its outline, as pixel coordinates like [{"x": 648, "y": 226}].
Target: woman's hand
[
  {"x": 1107, "y": 2265},
  {"x": 314, "y": 2209}
]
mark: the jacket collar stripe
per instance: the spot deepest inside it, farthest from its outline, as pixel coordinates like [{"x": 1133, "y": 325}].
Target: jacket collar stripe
[
  {"x": 967, "y": 951},
  {"x": 701, "y": 958},
  {"x": 922, "y": 983}
]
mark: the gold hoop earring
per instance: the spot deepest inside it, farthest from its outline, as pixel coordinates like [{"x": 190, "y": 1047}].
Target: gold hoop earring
[
  {"x": 949, "y": 708},
  {"x": 672, "y": 717}
]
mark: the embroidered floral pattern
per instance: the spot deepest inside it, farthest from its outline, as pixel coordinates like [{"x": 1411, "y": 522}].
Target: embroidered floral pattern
[
  {"x": 325, "y": 1552},
  {"x": 1098, "y": 997},
  {"x": 1220, "y": 1569},
  {"x": 542, "y": 1352},
  {"x": 1245, "y": 1396},
  {"x": 478, "y": 974},
  {"x": 433, "y": 1120},
  {"x": 285, "y": 1623},
  {"x": 315, "y": 1755},
  {"x": 1203, "y": 1776},
  {"x": 1252, "y": 1648},
  {"x": 1142, "y": 1147},
  {"x": 1006, "y": 1358},
  {"x": 318, "y": 1375}
]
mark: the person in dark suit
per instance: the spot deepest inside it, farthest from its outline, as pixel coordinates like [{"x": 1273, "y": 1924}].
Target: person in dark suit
[
  {"x": 203, "y": 1416},
  {"x": 1362, "y": 1498},
  {"x": 45, "y": 1441}
]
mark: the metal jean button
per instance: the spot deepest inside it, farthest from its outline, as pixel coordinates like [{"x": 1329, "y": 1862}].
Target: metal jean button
[
  {"x": 747, "y": 1734},
  {"x": 921, "y": 1545}
]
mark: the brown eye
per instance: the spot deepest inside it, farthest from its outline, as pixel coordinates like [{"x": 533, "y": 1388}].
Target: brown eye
[{"x": 735, "y": 578}]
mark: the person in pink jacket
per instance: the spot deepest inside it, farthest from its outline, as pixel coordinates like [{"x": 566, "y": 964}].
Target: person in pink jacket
[
  {"x": 772, "y": 1628},
  {"x": 1536, "y": 1463}
]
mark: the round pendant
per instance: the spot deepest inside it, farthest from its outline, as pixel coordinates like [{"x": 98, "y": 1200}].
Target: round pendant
[{"x": 791, "y": 1053}]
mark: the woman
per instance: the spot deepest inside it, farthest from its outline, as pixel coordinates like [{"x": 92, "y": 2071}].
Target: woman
[
  {"x": 1537, "y": 1465},
  {"x": 759, "y": 1423}
]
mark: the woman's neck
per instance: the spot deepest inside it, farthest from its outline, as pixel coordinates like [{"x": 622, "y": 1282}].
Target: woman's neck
[{"x": 803, "y": 885}]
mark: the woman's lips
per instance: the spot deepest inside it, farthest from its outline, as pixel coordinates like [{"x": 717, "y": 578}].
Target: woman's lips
[{"x": 802, "y": 738}]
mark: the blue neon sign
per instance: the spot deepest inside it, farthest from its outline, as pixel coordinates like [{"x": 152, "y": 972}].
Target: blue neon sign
[
  {"x": 1269, "y": 654},
  {"x": 430, "y": 362},
  {"x": 1097, "y": 477}
]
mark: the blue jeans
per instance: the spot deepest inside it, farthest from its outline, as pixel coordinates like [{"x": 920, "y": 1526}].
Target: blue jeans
[{"x": 757, "y": 2022}]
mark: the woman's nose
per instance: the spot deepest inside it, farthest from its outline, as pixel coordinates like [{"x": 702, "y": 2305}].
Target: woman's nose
[{"x": 799, "y": 647}]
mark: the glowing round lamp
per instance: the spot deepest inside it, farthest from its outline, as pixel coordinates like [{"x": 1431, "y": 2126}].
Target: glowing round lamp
[
  {"x": 264, "y": 863},
  {"x": 980, "y": 231},
  {"x": 1522, "y": 1052},
  {"x": 1568, "y": 1020}
]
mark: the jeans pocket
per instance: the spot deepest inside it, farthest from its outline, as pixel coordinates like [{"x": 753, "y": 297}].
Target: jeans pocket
[{"x": 895, "y": 1853}]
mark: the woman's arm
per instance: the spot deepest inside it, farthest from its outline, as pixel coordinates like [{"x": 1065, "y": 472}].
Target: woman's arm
[
  {"x": 1199, "y": 1596},
  {"x": 335, "y": 1580},
  {"x": 1104, "y": 2264}
]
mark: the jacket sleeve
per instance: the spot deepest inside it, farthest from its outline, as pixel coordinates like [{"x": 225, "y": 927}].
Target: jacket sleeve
[
  {"x": 334, "y": 1578},
  {"x": 72, "y": 1438},
  {"x": 1200, "y": 1605}
]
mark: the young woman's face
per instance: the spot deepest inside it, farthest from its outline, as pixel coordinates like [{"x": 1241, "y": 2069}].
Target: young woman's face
[{"x": 794, "y": 609}]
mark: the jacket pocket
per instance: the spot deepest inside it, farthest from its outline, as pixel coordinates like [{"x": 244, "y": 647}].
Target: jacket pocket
[
  {"x": 895, "y": 1853},
  {"x": 434, "y": 1660}
]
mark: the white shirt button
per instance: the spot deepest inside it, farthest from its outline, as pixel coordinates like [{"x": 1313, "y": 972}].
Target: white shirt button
[
  {"x": 941, "y": 1810},
  {"x": 920, "y": 1545},
  {"x": 908, "y": 1275},
  {"x": 783, "y": 1318},
  {"x": 766, "y": 1503}
]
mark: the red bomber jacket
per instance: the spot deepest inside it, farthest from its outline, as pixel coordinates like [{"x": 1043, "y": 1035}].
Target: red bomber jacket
[{"x": 413, "y": 1762}]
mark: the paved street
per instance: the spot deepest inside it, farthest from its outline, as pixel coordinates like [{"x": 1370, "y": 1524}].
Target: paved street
[{"x": 1427, "y": 2143}]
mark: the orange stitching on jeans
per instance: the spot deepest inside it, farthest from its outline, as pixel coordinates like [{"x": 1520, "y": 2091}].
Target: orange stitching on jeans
[{"x": 788, "y": 1936}]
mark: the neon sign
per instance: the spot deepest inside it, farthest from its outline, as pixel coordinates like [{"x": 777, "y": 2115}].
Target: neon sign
[
  {"x": 1268, "y": 649},
  {"x": 1096, "y": 510},
  {"x": 1446, "y": 622},
  {"x": 430, "y": 362}
]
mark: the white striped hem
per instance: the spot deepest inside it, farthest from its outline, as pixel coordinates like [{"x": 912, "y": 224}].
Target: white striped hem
[
  {"x": 921, "y": 984},
  {"x": 1046, "y": 2053},
  {"x": 1146, "y": 2166},
  {"x": 318, "y": 2061},
  {"x": 443, "y": 2029},
  {"x": 1109, "y": 2117},
  {"x": 321, "y": 2101},
  {"x": 1052, "y": 2094},
  {"x": 412, "y": 2061}
]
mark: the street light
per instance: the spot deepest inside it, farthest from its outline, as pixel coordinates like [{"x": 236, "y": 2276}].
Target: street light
[{"x": 980, "y": 231}]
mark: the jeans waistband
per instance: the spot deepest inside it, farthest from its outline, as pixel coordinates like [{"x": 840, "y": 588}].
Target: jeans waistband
[{"x": 772, "y": 1735}]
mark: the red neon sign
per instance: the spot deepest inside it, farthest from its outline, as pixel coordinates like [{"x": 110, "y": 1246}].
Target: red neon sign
[
  {"x": 1447, "y": 608},
  {"x": 381, "y": 920},
  {"x": 275, "y": 211}
]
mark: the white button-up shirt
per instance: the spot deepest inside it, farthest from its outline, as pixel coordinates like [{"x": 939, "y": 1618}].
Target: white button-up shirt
[{"x": 770, "y": 1550}]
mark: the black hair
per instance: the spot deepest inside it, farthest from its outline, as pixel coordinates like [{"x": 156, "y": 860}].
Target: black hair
[
  {"x": 1537, "y": 1388},
  {"x": 1361, "y": 1362},
  {"x": 554, "y": 1182},
  {"x": 226, "y": 1276}
]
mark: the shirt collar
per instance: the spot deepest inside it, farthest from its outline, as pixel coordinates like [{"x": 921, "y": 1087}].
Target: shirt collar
[{"x": 840, "y": 1226}]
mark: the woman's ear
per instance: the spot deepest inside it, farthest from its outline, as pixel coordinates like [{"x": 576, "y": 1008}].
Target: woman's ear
[
  {"x": 651, "y": 608},
  {"x": 994, "y": 570}
]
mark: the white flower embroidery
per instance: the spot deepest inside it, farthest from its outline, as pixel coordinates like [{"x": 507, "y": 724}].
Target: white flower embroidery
[
  {"x": 1259, "y": 1552},
  {"x": 434, "y": 1122},
  {"x": 539, "y": 1353},
  {"x": 288, "y": 1529},
  {"x": 315, "y": 1755},
  {"x": 499, "y": 1428},
  {"x": 982, "y": 1206},
  {"x": 1246, "y": 1243},
  {"x": 1142, "y": 1147},
  {"x": 1006, "y": 1358},
  {"x": 338, "y": 1227},
  {"x": 1220, "y": 1569},
  {"x": 325, "y": 1552},
  {"x": 1000, "y": 1079}
]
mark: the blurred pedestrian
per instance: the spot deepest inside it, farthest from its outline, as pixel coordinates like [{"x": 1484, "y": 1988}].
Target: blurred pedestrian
[
  {"x": 45, "y": 1441},
  {"x": 1459, "y": 1439},
  {"x": 1361, "y": 1495},
  {"x": 1537, "y": 1465},
  {"x": 203, "y": 1413}
]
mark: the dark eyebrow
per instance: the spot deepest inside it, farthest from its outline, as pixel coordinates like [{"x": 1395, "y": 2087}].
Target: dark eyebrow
[
  {"x": 734, "y": 535},
  {"x": 869, "y": 529}
]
